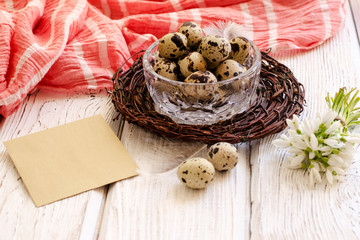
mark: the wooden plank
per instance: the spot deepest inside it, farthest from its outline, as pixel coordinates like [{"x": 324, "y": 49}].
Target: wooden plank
[
  {"x": 355, "y": 9},
  {"x": 155, "y": 205},
  {"x": 76, "y": 217},
  {"x": 283, "y": 207}
]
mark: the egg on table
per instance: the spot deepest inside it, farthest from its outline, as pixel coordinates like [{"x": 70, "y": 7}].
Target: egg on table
[
  {"x": 214, "y": 49},
  {"x": 240, "y": 48},
  {"x": 167, "y": 68},
  {"x": 223, "y": 156},
  {"x": 229, "y": 69},
  {"x": 193, "y": 33},
  {"x": 196, "y": 173},
  {"x": 172, "y": 45},
  {"x": 191, "y": 62}
]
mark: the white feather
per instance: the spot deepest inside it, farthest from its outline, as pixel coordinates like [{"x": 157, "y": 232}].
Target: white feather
[{"x": 227, "y": 30}]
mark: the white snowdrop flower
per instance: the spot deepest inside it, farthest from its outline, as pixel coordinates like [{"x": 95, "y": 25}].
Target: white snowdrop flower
[
  {"x": 335, "y": 160},
  {"x": 313, "y": 142},
  {"x": 296, "y": 121},
  {"x": 291, "y": 124},
  {"x": 295, "y": 162},
  {"x": 335, "y": 176},
  {"x": 325, "y": 149},
  {"x": 329, "y": 176},
  {"x": 314, "y": 174},
  {"x": 308, "y": 128},
  {"x": 349, "y": 147},
  {"x": 353, "y": 139},
  {"x": 281, "y": 143},
  {"x": 316, "y": 123},
  {"x": 347, "y": 154},
  {"x": 327, "y": 153},
  {"x": 324, "y": 146},
  {"x": 337, "y": 170},
  {"x": 295, "y": 150},
  {"x": 328, "y": 117},
  {"x": 333, "y": 127},
  {"x": 293, "y": 133},
  {"x": 299, "y": 143},
  {"x": 332, "y": 142}
]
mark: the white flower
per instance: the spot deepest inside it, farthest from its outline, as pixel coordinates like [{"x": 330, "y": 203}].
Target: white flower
[
  {"x": 294, "y": 123},
  {"x": 295, "y": 150},
  {"x": 320, "y": 146},
  {"x": 295, "y": 162},
  {"x": 353, "y": 139},
  {"x": 283, "y": 142},
  {"x": 308, "y": 128},
  {"x": 334, "y": 142},
  {"x": 328, "y": 117},
  {"x": 335, "y": 126},
  {"x": 335, "y": 160},
  {"x": 314, "y": 174}
]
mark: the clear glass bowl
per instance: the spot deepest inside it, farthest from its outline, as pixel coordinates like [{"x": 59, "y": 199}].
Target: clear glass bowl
[{"x": 202, "y": 103}]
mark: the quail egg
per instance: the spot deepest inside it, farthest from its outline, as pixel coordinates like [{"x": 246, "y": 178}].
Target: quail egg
[
  {"x": 201, "y": 92},
  {"x": 172, "y": 45},
  {"x": 223, "y": 156},
  {"x": 191, "y": 62},
  {"x": 167, "y": 68},
  {"x": 240, "y": 48},
  {"x": 211, "y": 65},
  {"x": 193, "y": 32},
  {"x": 214, "y": 48},
  {"x": 228, "y": 69},
  {"x": 196, "y": 173},
  {"x": 201, "y": 77},
  {"x": 157, "y": 57}
]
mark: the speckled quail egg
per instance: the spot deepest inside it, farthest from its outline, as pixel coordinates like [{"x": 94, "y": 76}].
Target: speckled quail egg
[
  {"x": 167, "y": 68},
  {"x": 212, "y": 65},
  {"x": 201, "y": 92},
  {"x": 214, "y": 48},
  {"x": 157, "y": 57},
  {"x": 223, "y": 156},
  {"x": 193, "y": 32},
  {"x": 172, "y": 45},
  {"x": 228, "y": 69},
  {"x": 201, "y": 77},
  {"x": 196, "y": 173},
  {"x": 240, "y": 48},
  {"x": 191, "y": 62}
]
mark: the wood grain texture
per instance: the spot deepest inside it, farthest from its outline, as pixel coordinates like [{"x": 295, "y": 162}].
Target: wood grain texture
[
  {"x": 259, "y": 199},
  {"x": 355, "y": 7},
  {"x": 156, "y": 205},
  {"x": 73, "y": 218},
  {"x": 283, "y": 206}
]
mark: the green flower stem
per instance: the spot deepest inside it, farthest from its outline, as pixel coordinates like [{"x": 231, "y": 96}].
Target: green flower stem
[{"x": 345, "y": 108}]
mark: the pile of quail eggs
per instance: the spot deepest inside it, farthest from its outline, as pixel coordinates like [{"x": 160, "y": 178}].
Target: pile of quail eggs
[
  {"x": 198, "y": 172},
  {"x": 189, "y": 56}
]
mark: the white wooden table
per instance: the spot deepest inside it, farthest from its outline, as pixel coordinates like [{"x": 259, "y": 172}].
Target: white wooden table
[{"x": 259, "y": 199}]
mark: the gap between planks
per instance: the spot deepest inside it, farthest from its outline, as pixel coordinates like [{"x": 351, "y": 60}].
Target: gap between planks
[{"x": 355, "y": 9}]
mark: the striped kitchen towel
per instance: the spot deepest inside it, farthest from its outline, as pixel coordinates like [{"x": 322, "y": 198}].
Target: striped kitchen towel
[{"x": 76, "y": 45}]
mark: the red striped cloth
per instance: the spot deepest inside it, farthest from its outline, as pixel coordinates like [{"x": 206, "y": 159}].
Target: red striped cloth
[{"x": 76, "y": 45}]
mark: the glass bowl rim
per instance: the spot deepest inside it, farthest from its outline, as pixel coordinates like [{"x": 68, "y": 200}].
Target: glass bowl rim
[{"x": 252, "y": 69}]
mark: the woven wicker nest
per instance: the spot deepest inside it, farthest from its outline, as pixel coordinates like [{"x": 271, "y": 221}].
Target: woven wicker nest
[{"x": 280, "y": 96}]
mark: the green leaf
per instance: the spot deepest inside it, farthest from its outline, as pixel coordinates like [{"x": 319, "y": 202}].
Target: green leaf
[{"x": 344, "y": 104}]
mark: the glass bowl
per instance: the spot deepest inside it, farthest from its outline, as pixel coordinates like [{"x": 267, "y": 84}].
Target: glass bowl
[{"x": 202, "y": 103}]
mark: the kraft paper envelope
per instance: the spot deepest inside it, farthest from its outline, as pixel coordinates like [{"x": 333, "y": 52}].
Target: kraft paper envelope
[{"x": 70, "y": 159}]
